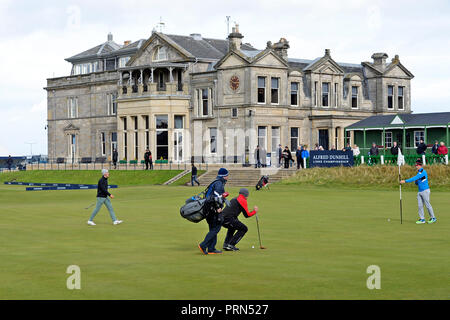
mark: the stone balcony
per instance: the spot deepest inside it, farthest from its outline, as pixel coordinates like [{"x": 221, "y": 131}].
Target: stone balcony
[{"x": 152, "y": 90}]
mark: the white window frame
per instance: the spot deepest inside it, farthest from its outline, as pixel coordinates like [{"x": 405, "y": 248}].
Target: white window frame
[
  {"x": 160, "y": 55},
  {"x": 328, "y": 95},
  {"x": 297, "y": 138},
  {"x": 72, "y": 107},
  {"x": 103, "y": 143},
  {"x": 316, "y": 94},
  {"x": 388, "y": 140},
  {"x": 275, "y": 138},
  {"x": 402, "y": 107},
  {"x": 258, "y": 87},
  {"x": 210, "y": 140},
  {"x": 203, "y": 100},
  {"x": 393, "y": 100},
  {"x": 277, "y": 90},
  {"x": 336, "y": 94},
  {"x": 421, "y": 134},
  {"x": 111, "y": 101},
  {"x": 296, "y": 93},
  {"x": 123, "y": 61},
  {"x": 357, "y": 97},
  {"x": 113, "y": 143},
  {"x": 262, "y": 137}
]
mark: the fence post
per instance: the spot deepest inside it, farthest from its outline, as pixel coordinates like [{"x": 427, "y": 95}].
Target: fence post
[
  {"x": 446, "y": 159},
  {"x": 424, "y": 160},
  {"x": 304, "y": 163},
  {"x": 382, "y": 159},
  {"x": 362, "y": 159}
]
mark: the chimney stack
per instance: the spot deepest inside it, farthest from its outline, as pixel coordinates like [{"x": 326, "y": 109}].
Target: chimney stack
[
  {"x": 379, "y": 60},
  {"x": 281, "y": 48},
  {"x": 110, "y": 37},
  {"x": 235, "y": 39}
]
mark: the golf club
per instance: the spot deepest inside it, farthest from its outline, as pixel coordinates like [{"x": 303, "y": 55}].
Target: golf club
[
  {"x": 90, "y": 206},
  {"x": 259, "y": 236}
]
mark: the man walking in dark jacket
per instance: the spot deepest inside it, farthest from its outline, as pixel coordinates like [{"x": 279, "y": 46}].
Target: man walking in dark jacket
[
  {"x": 102, "y": 198},
  {"x": 194, "y": 175},
  {"x": 236, "y": 229},
  {"x": 213, "y": 211},
  {"x": 421, "y": 148}
]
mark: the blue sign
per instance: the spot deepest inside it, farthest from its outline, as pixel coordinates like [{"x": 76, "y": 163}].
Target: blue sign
[{"x": 330, "y": 158}]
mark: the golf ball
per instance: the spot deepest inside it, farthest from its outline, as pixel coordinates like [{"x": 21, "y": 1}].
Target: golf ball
[
  {"x": 389, "y": 219},
  {"x": 253, "y": 247}
]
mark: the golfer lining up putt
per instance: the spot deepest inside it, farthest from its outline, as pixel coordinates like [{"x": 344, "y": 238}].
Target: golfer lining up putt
[
  {"x": 236, "y": 229},
  {"x": 102, "y": 198},
  {"x": 423, "y": 196}
]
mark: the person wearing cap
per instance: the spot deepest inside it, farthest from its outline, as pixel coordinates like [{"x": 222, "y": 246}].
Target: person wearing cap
[
  {"x": 236, "y": 229},
  {"x": 423, "y": 196},
  {"x": 213, "y": 211},
  {"x": 102, "y": 198}
]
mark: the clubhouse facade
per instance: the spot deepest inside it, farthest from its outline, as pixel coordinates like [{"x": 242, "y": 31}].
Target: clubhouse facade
[{"x": 190, "y": 98}]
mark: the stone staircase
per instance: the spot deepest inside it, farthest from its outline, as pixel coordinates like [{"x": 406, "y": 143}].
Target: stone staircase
[{"x": 247, "y": 177}]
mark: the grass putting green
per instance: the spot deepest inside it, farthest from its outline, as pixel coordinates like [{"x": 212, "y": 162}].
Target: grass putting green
[{"x": 319, "y": 241}]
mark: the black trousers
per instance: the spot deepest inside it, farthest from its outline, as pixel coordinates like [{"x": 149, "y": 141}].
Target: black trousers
[{"x": 236, "y": 230}]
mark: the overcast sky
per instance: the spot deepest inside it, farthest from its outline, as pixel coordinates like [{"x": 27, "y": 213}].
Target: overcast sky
[{"x": 36, "y": 36}]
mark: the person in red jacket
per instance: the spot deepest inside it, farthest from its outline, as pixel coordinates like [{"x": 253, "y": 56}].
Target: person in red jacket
[
  {"x": 236, "y": 229},
  {"x": 442, "y": 150}
]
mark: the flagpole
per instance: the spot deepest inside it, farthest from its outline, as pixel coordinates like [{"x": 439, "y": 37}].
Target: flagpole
[
  {"x": 400, "y": 161},
  {"x": 401, "y": 209}
]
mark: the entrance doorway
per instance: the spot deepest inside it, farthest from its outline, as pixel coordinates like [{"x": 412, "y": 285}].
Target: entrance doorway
[{"x": 324, "y": 139}]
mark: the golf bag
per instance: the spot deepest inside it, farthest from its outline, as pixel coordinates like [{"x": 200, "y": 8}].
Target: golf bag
[
  {"x": 263, "y": 182},
  {"x": 194, "y": 208}
]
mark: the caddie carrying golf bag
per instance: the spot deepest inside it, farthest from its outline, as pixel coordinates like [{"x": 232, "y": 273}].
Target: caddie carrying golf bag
[
  {"x": 263, "y": 181},
  {"x": 194, "y": 208}
]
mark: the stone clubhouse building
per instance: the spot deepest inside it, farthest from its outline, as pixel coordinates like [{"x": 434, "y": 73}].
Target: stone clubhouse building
[{"x": 190, "y": 98}]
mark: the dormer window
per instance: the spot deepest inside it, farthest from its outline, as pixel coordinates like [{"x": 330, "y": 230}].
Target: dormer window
[
  {"x": 161, "y": 53},
  {"x": 123, "y": 61}
]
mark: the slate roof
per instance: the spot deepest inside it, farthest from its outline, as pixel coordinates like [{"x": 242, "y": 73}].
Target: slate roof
[
  {"x": 409, "y": 119},
  {"x": 96, "y": 52},
  {"x": 206, "y": 48}
]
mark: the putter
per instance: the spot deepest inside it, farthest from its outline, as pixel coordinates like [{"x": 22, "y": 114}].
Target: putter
[
  {"x": 90, "y": 206},
  {"x": 259, "y": 236}
]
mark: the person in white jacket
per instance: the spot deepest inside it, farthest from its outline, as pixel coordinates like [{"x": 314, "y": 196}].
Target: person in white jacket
[{"x": 356, "y": 151}]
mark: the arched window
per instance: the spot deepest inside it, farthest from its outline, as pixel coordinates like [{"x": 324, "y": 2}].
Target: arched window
[{"x": 161, "y": 54}]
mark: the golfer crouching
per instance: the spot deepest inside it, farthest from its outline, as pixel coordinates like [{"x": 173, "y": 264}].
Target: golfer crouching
[
  {"x": 102, "y": 198},
  {"x": 236, "y": 229}
]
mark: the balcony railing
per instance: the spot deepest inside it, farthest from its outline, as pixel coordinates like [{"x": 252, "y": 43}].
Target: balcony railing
[{"x": 169, "y": 88}]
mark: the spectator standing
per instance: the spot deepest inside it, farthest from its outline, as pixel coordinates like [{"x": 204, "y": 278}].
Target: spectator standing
[
  {"x": 280, "y": 156},
  {"x": 115, "y": 156},
  {"x": 435, "y": 147},
  {"x": 263, "y": 155},
  {"x": 356, "y": 151},
  {"x": 298, "y": 155},
  {"x": 287, "y": 156},
  {"x": 421, "y": 148},
  {"x": 194, "y": 175},
  {"x": 442, "y": 150},
  {"x": 147, "y": 158},
  {"x": 394, "y": 149},
  {"x": 257, "y": 157},
  {"x": 305, "y": 155},
  {"x": 347, "y": 148},
  {"x": 9, "y": 162}
]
